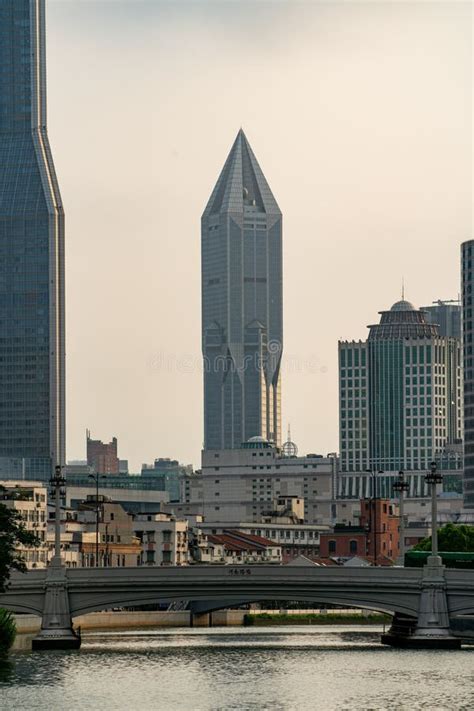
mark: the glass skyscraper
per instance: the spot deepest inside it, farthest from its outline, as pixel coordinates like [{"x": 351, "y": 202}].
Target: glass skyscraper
[
  {"x": 242, "y": 329},
  {"x": 400, "y": 396},
  {"x": 31, "y": 255},
  {"x": 447, "y": 314},
  {"x": 467, "y": 264}
]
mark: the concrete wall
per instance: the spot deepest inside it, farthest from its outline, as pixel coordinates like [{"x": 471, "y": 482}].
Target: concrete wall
[{"x": 30, "y": 624}]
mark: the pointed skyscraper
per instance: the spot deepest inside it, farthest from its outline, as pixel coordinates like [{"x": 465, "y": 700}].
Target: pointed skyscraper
[{"x": 242, "y": 319}]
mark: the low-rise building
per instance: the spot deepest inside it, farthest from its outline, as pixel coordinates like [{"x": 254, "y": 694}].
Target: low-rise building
[
  {"x": 237, "y": 548},
  {"x": 29, "y": 499},
  {"x": 163, "y": 539},
  {"x": 376, "y": 535},
  {"x": 112, "y": 537},
  {"x": 294, "y": 539},
  {"x": 167, "y": 474},
  {"x": 242, "y": 484}
]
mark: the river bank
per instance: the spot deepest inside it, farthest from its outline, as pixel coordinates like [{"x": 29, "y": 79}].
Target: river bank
[
  {"x": 29, "y": 625},
  {"x": 271, "y": 619},
  {"x": 124, "y": 619}
]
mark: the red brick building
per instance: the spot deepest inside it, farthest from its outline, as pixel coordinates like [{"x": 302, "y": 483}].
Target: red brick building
[
  {"x": 102, "y": 457},
  {"x": 376, "y": 537}
]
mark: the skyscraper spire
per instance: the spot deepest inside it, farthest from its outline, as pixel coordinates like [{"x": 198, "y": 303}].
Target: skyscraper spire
[{"x": 241, "y": 304}]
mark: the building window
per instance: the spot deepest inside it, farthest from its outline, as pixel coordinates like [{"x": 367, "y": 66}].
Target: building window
[
  {"x": 353, "y": 547},
  {"x": 332, "y": 546}
]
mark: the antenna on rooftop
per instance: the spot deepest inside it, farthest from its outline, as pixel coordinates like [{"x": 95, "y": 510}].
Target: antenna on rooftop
[{"x": 289, "y": 449}]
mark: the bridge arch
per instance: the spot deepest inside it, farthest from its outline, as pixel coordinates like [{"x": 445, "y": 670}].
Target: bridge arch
[
  {"x": 211, "y": 603},
  {"x": 20, "y": 607}
]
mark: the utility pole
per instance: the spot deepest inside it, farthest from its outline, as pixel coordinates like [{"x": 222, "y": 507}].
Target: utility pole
[
  {"x": 434, "y": 477},
  {"x": 401, "y": 486},
  {"x": 57, "y": 483},
  {"x": 96, "y": 478}
]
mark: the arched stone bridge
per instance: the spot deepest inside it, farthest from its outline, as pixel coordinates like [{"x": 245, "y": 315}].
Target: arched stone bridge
[{"x": 432, "y": 595}]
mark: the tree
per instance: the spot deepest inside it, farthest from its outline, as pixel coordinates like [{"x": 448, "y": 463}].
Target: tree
[
  {"x": 12, "y": 534},
  {"x": 452, "y": 538},
  {"x": 7, "y": 632}
]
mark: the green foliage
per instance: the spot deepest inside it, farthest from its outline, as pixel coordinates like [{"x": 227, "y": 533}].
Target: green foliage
[
  {"x": 12, "y": 534},
  {"x": 7, "y": 632},
  {"x": 451, "y": 538}
]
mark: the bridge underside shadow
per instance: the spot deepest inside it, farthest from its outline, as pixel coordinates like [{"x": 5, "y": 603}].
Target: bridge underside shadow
[{"x": 200, "y": 604}]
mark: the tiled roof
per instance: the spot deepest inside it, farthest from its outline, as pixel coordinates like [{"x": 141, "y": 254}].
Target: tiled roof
[{"x": 237, "y": 541}]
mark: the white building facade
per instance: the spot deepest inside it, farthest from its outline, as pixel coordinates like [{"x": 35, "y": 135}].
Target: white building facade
[{"x": 243, "y": 484}]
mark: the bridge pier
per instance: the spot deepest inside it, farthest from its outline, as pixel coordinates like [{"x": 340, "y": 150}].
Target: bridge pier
[
  {"x": 200, "y": 619},
  {"x": 432, "y": 629},
  {"x": 56, "y": 624}
]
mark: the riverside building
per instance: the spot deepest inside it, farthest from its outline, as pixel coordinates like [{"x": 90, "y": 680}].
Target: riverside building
[
  {"x": 399, "y": 394},
  {"x": 32, "y": 389},
  {"x": 242, "y": 321}
]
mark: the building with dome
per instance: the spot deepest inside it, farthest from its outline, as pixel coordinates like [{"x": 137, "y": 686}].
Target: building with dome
[
  {"x": 399, "y": 394},
  {"x": 242, "y": 320}
]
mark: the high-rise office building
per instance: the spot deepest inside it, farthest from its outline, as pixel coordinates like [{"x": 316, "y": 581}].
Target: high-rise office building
[
  {"x": 447, "y": 314},
  {"x": 399, "y": 394},
  {"x": 31, "y": 255},
  {"x": 242, "y": 329},
  {"x": 467, "y": 268}
]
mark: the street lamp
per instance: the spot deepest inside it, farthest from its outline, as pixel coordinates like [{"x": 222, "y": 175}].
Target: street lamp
[
  {"x": 96, "y": 477},
  {"x": 400, "y": 486},
  {"x": 434, "y": 477},
  {"x": 373, "y": 473},
  {"x": 57, "y": 483}
]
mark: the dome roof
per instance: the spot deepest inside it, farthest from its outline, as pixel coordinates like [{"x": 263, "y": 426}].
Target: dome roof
[
  {"x": 257, "y": 443},
  {"x": 402, "y": 306}
]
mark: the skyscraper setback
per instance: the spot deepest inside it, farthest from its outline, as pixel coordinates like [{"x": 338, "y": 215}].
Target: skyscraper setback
[
  {"x": 242, "y": 319},
  {"x": 31, "y": 254}
]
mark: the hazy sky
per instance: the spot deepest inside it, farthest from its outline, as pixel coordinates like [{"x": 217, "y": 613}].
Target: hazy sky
[{"x": 360, "y": 114}]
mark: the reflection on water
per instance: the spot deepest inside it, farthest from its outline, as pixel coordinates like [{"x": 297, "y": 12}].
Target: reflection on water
[{"x": 224, "y": 669}]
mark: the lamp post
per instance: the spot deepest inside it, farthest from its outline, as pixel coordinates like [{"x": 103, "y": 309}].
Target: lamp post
[
  {"x": 434, "y": 477},
  {"x": 57, "y": 483},
  {"x": 373, "y": 474},
  {"x": 95, "y": 478},
  {"x": 400, "y": 486}
]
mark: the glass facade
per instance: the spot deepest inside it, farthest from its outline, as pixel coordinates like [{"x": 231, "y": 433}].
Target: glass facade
[
  {"x": 447, "y": 314},
  {"x": 467, "y": 257},
  {"x": 363, "y": 486},
  {"x": 31, "y": 255},
  {"x": 242, "y": 331},
  {"x": 399, "y": 394}
]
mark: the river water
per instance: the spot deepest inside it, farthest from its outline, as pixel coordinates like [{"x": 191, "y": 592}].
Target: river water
[{"x": 239, "y": 669}]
